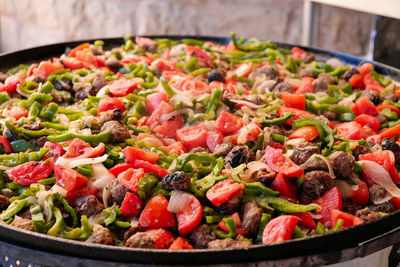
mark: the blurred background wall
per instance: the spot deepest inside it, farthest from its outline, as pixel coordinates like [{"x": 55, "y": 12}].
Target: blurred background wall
[{"x": 27, "y": 23}]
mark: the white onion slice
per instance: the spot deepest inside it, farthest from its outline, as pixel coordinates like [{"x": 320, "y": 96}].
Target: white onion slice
[
  {"x": 248, "y": 103},
  {"x": 345, "y": 189},
  {"x": 294, "y": 142},
  {"x": 101, "y": 176},
  {"x": 348, "y": 101},
  {"x": 334, "y": 61},
  {"x": 243, "y": 69},
  {"x": 72, "y": 162},
  {"x": 172, "y": 114},
  {"x": 106, "y": 196},
  {"x": 179, "y": 200},
  {"x": 58, "y": 189}
]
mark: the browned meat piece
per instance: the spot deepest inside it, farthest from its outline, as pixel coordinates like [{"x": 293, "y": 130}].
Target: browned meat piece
[
  {"x": 256, "y": 99},
  {"x": 359, "y": 150},
  {"x": 282, "y": 87},
  {"x": 63, "y": 85},
  {"x": 308, "y": 57},
  {"x": 39, "y": 141},
  {"x": 223, "y": 149},
  {"x": 39, "y": 79},
  {"x": 118, "y": 132},
  {"x": 88, "y": 205},
  {"x": 4, "y": 202},
  {"x": 176, "y": 180},
  {"x": 382, "y": 118},
  {"x": 230, "y": 206},
  {"x": 348, "y": 74},
  {"x": 321, "y": 83},
  {"x": 100, "y": 235},
  {"x": 32, "y": 125},
  {"x": 305, "y": 73},
  {"x": 99, "y": 82},
  {"x": 274, "y": 130},
  {"x": 140, "y": 240},
  {"x": 3, "y": 77},
  {"x": 316, "y": 183},
  {"x": 342, "y": 163},
  {"x": 377, "y": 193},
  {"x": 133, "y": 229},
  {"x": 372, "y": 96},
  {"x": 315, "y": 164},
  {"x": 227, "y": 98},
  {"x": 228, "y": 243},
  {"x": 114, "y": 64},
  {"x": 385, "y": 207},
  {"x": 391, "y": 97},
  {"x": 237, "y": 156},
  {"x": 265, "y": 175},
  {"x": 350, "y": 206},
  {"x": 110, "y": 115},
  {"x": 367, "y": 215},
  {"x": 330, "y": 115},
  {"x": 270, "y": 72},
  {"x": 199, "y": 108},
  {"x": 56, "y": 97},
  {"x": 117, "y": 191},
  {"x": 201, "y": 236},
  {"x": 149, "y": 46},
  {"x": 22, "y": 223},
  {"x": 26, "y": 214},
  {"x": 251, "y": 215},
  {"x": 218, "y": 75},
  {"x": 303, "y": 152}
]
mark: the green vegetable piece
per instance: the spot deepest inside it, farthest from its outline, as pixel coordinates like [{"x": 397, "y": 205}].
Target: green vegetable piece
[
  {"x": 297, "y": 233},
  {"x": 281, "y": 204},
  {"x": 81, "y": 233},
  {"x": 347, "y": 88},
  {"x": 46, "y": 88},
  {"x": 278, "y": 138},
  {"x": 39, "y": 97},
  {"x": 276, "y": 121},
  {"x": 390, "y": 115},
  {"x": 211, "y": 219},
  {"x": 348, "y": 116},
  {"x": 2, "y": 182},
  {"x": 93, "y": 139},
  {"x": 56, "y": 126},
  {"x": 67, "y": 208},
  {"x": 37, "y": 218},
  {"x": 112, "y": 214},
  {"x": 34, "y": 110},
  {"x": 320, "y": 229},
  {"x": 4, "y": 97},
  {"x": 13, "y": 209},
  {"x": 252, "y": 44},
  {"x": 86, "y": 170},
  {"x": 214, "y": 100},
  {"x": 49, "y": 112},
  {"x": 170, "y": 92},
  {"x": 14, "y": 159},
  {"x": 265, "y": 218},
  {"x": 230, "y": 223},
  {"x": 337, "y": 226},
  {"x": 193, "y": 42},
  {"x": 357, "y": 167},
  {"x": 191, "y": 65}
]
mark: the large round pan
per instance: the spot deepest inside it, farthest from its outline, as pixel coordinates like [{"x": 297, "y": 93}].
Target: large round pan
[{"x": 359, "y": 241}]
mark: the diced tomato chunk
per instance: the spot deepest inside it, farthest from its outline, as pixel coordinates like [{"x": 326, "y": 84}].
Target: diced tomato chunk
[
  {"x": 228, "y": 123},
  {"x": 154, "y": 100},
  {"x": 68, "y": 178},
  {"x": 279, "y": 163},
  {"x": 192, "y": 137},
  {"x": 348, "y": 219},
  {"x": 16, "y": 112},
  {"x": 364, "y": 106},
  {"x": 130, "y": 178},
  {"x": 155, "y": 214},
  {"x": 122, "y": 87},
  {"x": 179, "y": 244},
  {"x": 309, "y": 133},
  {"x": 279, "y": 229},
  {"x": 190, "y": 216},
  {"x": 328, "y": 201},
  {"x": 222, "y": 191},
  {"x": 161, "y": 237},
  {"x": 284, "y": 187},
  {"x": 110, "y": 103},
  {"x": 133, "y": 153},
  {"x": 369, "y": 120},
  {"x": 131, "y": 205},
  {"x": 294, "y": 100},
  {"x": 306, "y": 220},
  {"x": 296, "y": 114},
  {"x": 31, "y": 172}
]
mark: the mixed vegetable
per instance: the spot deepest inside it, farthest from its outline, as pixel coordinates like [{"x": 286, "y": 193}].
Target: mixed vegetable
[{"x": 181, "y": 145}]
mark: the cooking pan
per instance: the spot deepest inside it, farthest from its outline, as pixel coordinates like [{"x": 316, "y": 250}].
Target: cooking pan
[{"x": 23, "y": 248}]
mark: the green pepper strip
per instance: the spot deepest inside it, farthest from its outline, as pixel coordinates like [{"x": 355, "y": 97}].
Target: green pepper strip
[
  {"x": 34, "y": 110},
  {"x": 86, "y": 170},
  {"x": 194, "y": 42},
  {"x": 325, "y": 132},
  {"x": 47, "y": 181},
  {"x": 251, "y": 45},
  {"x": 200, "y": 71},
  {"x": 4, "y": 97},
  {"x": 198, "y": 158},
  {"x": 39, "y": 97},
  {"x": 93, "y": 140},
  {"x": 214, "y": 100},
  {"x": 145, "y": 184},
  {"x": 59, "y": 224},
  {"x": 170, "y": 92},
  {"x": 12, "y": 210},
  {"x": 204, "y": 116},
  {"x": 46, "y": 88},
  {"x": 37, "y": 218},
  {"x": 28, "y": 134},
  {"x": 81, "y": 233},
  {"x": 53, "y": 125},
  {"x": 211, "y": 219},
  {"x": 2, "y": 182},
  {"x": 281, "y": 204},
  {"x": 230, "y": 223},
  {"x": 265, "y": 218},
  {"x": 112, "y": 214},
  {"x": 49, "y": 111},
  {"x": 68, "y": 208},
  {"x": 278, "y": 138},
  {"x": 320, "y": 229},
  {"x": 337, "y": 226},
  {"x": 276, "y": 121},
  {"x": 297, "y": 233},
  {"x": 357, "y": 167},
  {"x": 14, "y": 159}
]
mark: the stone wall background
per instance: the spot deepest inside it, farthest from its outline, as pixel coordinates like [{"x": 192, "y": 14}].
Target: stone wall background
[{"x": 27, "y": 23}]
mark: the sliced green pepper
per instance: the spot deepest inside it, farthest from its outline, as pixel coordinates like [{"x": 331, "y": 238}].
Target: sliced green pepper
[
  {"x": 13, "y": 209},
  {"x": 37, "y": 218},
  {"x": 14, "y": 159},
  {"x": 93, "y": 139},
  {"x": 170, "y": 92},
  {"x": 67, "y": 208},
  {"x": 230, "y": 223},
  {"x": 276, "y": 121}
]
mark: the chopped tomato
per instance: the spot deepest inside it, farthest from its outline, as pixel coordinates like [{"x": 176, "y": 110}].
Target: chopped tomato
[
  {"x": 154, "y": 100},
  {"x": 372, "y": 84},
  {"x": 149, "y": 167},
  {"x": 239, "y": 231},
  {"x": 179, "y": 244},
  {"x": 119, "y": 168},
  {"x": 130, "y": 178},
  {"x": 284, "y": 187},
  {"x": 202, "y": 55},
  {"x": 279, "y": 163},
  {"x": 175, "y": 148},
  {"x": 222, "y": 191},
  {"x": 145, "y": 42},
  {"x": 244, "y": 69},
  {"x": 374, "y": 87},
  {"x": 195, "y": 86},
  {"x": 365, "y": 68},
  {"x": 161, "y": 237},
  {"x": 156, "y": 214},
  {"x": 306, "y": 220},
  {"x": 80, "y": 47},
  {"x": 328, "y": 201},
  {"x": 350, "y": 130},
  {"x": 297, "y": 52},
  {"x": 306, "y": 86},
  {"x": 369, "y": 120},
  {"x": 361, "y": 195},
  {"x": 192, "y": 137},
  {"x": 296, "y": 114},
  {"x": 76, "y": 148},
  {"x": 31, "y": 172},
  {"x": 46, "y": 68},
  {"x": 68, "y": 178},
  {"x": 110, "y": 103},
  {"x": 72, "y": 63},
  {"x": 151, "y": 139},
  {"x": 169, "y": 75},
  {"x": 279, "y": 229},
  {"x": 356, "y": 81},
  {"x": 133, "y": 153},
  {"x": 5, "y": 144},
  {"x": 228, "y": 123},
  {"x": 395, "y": 202},
  {"x": 163, "y": 65},
  {"x": 364, "y": 106},
  {"x": 348, "y": 219},
  {"x": 307, "y": 132},
  {"x": 131, "y": 205},
  {"x": 55, "y": 150},
  {"x": 82, "y": 191},
  {"x": 294, "y": 100},
  {"x": 16, "y": 112},
  {"x": 391, "y": 107},
  {"x": 165, "y": 128},
  {"x": 213, "y": 139},
  {"x": 122, "y": 87},
  {"x": 390, "y": 132},
  {"x": 249, "y": 133},
  {"x": 10, "y": 84},
  {"x": 190, "y": 216}
]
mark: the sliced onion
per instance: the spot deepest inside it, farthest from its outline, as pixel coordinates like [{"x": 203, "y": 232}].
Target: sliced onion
[
  {"x": 348, "y": 101},
  {"x": 294, "y": 142},
  {"x": 179, "y": 200},
  {"x": 380, "y": 176},
  {"x": 102, "y": 91},
  {"x": 243, "y": 69},
  {"x": 172, "y": 166},
  {"x": 48, "y": 213},
  {"x": 73, "y": 162},
  {"x": 254, "y": 166},
  {"x": 345, "y": 189},
  {"x": 106, "y": 196},
  {"x": 293, "y": 82},
  {"x": 313, "y": 156},
  {"x": 58, "y": 189},
  {"x": 376, "y": 148},
  {"x": 4, "y": 168},
  {"x": 172, "y": 114},
  {"x": 355, "y": 179},
  {"x": 264, "y": 87},
  {"x": 101, "y": 176},
  {"x": 97, "y": 218},
  {"x": 334, "y": 62},
  {"x": 186, "y": 97},
  {"x": 248, "y": 103}
]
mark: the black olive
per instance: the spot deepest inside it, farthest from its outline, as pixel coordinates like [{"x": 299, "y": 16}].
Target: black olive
[
  {"x": 176, "y": 180},
  {"x": 218, "y": 75}
]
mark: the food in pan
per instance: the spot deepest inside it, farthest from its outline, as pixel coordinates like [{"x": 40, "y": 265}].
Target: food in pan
[{"x": 173, "y": 145}]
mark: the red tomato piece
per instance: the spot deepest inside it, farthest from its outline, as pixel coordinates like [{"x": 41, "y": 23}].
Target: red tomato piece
[
  {"x": 306, "y": 220},
  {"x": 156, "y": 214},
  {"x": 145, "y": 42},
  {"x": 46, "y": 68},
  {"x": 83, "y": 191},
  {"x": 55, "y": 150},
  {"x": 348, "y": 219},
  {"x": 195, "y": 136},
  {"x": 130, "y": 178},
  {"x": 294, "y": 100},
  {"x": 31, "y": 172},
  {"x": 222, "y": 191},
  {"x": 369, "y": 120},
  {"x": 119, "y": 168},
  {"x": 213, "y": 139},
  {"x": 374, "y": 87},
  {"x": 110, "y": 103},
  {"x": 370, "y": 81},
  {"x": 122, "y": 87},
  {"x": 149, "y": 138},
  {"x": 154, "y": 100},
  {"x": 149, "y": 167},
  {"x": 202, "y": 55},
  {"x": 131, "y": 205},
  {"x": 390, "y": 132},
  {"x": 395, "y": 202},
  {"x": 391, "y": 107},
  {"x": 76, "y": 148},
  {"x": 134, "y": 153},
  {"x": 228, "y": 123},
  {"x": 307, "y": 132},
  {"x": 165, "y": 128},
  {"x": 279, "y": 163},
  {"x": 328, "y": 201},
  {"x": 239, "y": 231},
  {"x": 163, "y": 65},
  {"x": 10, "y": 84},
  {"x": 306, "y": 86},
  {"x": 175, "y": 148},
  {"x": 161, "y": 237},
  {"x": 350, "y": 130},
  {"x": 279, "y": 229},
  {"x": 72, "y": 63},
  {"x": 296, "y": 114},
  {"x": 364, "y": 106},
  {"x": 190, "y": 216},
  {"x": 386, "y": 159},
  {"x": 16, "y": 112},
  {"x": 80, "y": 47},
  {"x": 284, "y": 187},
  {"x": 356, "y": 81},
  {"x": 365, "y": 68},
  {"x": 196, "y": 87},
  {"x": 361, "y": 195},
  {"x": 69, "y": 179},
  {"x": 179, "y": 244},
  {"x": 5, "y": 144}
]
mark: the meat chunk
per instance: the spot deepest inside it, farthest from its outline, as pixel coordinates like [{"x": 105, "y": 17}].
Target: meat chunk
[
  {"x": 201, "y": 236},
  {"x": 99, "y": 82},
  {"x": 22, "y": 223},
  {"x": 377, "y": 193},
  {"x": 315, "y": 164},
  {"x": 32, "y": 125},
  {"x": 117, "y": 191},
  {"x": 348, "y": 74},
  {"x": 133, "y": 229},
  {"x": 391, "y": 97},
  {"x": 385, "y": 207},
  {"x": 100, "y": 235},
  {"x": 251, "y": 215},
  {"x": 367, "y": 215},
  {"x": 223, "y": 149},
  {"x": 360, "y": 150},
  {"x": 265, "y": 175},
  {"x": 274, "y": 130},
  {"x": 176, "y": 180},
  {"x": 229, "y": 206},
  {"x": 350, "y": 206},
  {"x": 39, "y": 141},
  {"x": 269, "y": 72},
  {"x": 342, "y": 163},
  {"x": 303, "y": 152},
  {"x": 63, "y": 85},
  {"x": 322, "y": 82},
  {"x": 372, "y": 96},
  {"x": 305, "y": 73},
  {"x": 114, "y": 64},
  {"x": 218, "y": 75},
  {"x": 330, "y": 115},
  {"x": 237, "y": 156},
  {"x": 308, "y": 57},
  {"x": 4, "y": 202},
  {"x": 256, "y": 99},
  {"x": 316, "y": 183},
  {"x": 228, "y": 243},
  {"x": 118, "y": 132},
  {"x": 282, "y": 87},
  {"x": 12, "y": 136},
  {"x": 140, "y": 240},
  {"x": 88, "y": 205},
  {"x": 227, "y": 98},
  {"x": 110, "y": 115}
]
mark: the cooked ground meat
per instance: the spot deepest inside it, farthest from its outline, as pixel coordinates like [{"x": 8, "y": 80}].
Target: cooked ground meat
[
  {"x": 22, "y": 223},
  {"x": 305, "y": 73},
  {"x": 237, "y": 156},
  {"x": 274, "y": 130},
  {"x": 342, "y": 163},
  {"x": 223, "y": 149},
  {"x": 228, "y": 243},
  {"x": 372, "y": 96},
  {"x": 39, "y": 79},
  {"x": 303, "y": 152},
  {"x": 114, "y": 64},
  {"x": 149, "y": 46},
  {"x": 391, "y": 97},
  {"x": 330, "y": 115},
  {"x": 282, "y": 87},
  {"x": 228, "y": 96},
  {"x": 83, "y": 93},
  {"x": 359, "y": 150},
  {"x": 4, "y": 202},
  {"x": 315, "y": 164},
  {"x": 385, "y": 207},
  {"x": 251, "y": 215},
  {"x": 229, "y": 206},
  {"x": 256, "y": 99},
  {"x": 218, "y": 75},
  {"x": 133, "y": 229},
  {"x": 99, "y": 82},
  {"x": 201, "y": 236},
  {"x": 117, "y": 191},
  {"x": 321, "y": 83},
  {"x": 348, "y": 74},
  {"x": 140, "y": 240},
  {"x": 377, "y": 193},
  {"x": 308, "y": 57},
  {"x": 88, "y": 205},
  {"x": 265, "y": 175},
  {"x": 382, "y": 118},
  {"x": 110, "y": 115},
  {"x": 176, "y": 180},
  {"x": 269, "y": 72},
  {"x": 367, "y": 215},
  {"x": 39, "y": 141},
  {"x": 350, "y": 206},
  {"x": 118, "y": 132},
  {"x": 316, "y": 183},
  {"x": 100, "y": 235}
]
